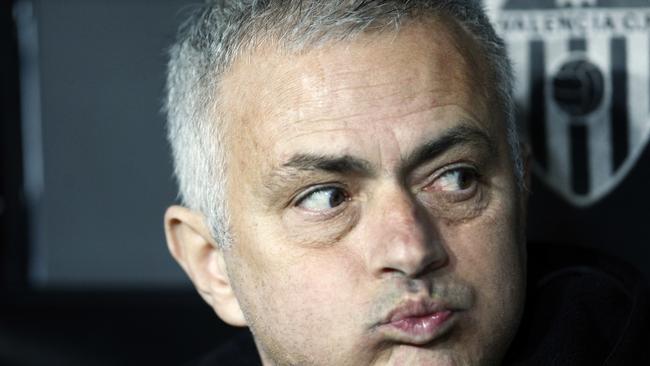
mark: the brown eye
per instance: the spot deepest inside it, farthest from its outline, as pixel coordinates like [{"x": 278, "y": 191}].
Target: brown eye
[
  {"x": 455, "y": 180},
  {"x": 323, "y": 199}
]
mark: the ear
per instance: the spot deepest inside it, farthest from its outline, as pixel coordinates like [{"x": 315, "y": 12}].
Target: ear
[{"x": 191, "y": 244}]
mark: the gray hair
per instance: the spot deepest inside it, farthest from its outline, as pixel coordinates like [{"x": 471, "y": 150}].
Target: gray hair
[{"x": 220, "y": 31}]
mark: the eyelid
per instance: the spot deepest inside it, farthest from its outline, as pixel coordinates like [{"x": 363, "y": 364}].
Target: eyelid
[
  {"x": 317, "y": 215},
  {"x": 304, "y": 193},
  {"x": 446, "y": 169}
]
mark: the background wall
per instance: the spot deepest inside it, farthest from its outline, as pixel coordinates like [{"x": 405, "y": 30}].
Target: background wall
[
  {"x": 583, "y": 93},
  {"x": 85, "y": 277},
  {"x": 105, "y": 170}
]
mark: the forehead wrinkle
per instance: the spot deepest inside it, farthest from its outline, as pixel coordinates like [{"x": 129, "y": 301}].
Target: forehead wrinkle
[
  {"x": 323, "y": 100},
  {"x": 327, "y": 76},
  {"x": 429, "y": 104},
  {"x": 299, "y": 135},
  {"x": 365, "y": 86},
  {"x": 309, "y": 91},
  {"x": 358, "y": 49}
]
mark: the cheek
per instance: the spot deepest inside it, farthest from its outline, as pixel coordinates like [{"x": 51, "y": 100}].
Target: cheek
[
  {"x": 487, "y": 253},
  {"x": 292, "y": 285},
  {"x": 488, "y": 249},
  {"x": 290, "y": 275},
  {"x": 304, "y": 304},
  {"x": 319, "y": 234}
]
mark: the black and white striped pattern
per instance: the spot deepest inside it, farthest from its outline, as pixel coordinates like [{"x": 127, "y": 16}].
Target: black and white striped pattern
[{"x": 582, "y": 157}]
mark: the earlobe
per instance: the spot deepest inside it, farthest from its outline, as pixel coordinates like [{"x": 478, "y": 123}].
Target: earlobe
[
  {"x": 224, "y": 301},
  {"x": 190, "y": 243}
]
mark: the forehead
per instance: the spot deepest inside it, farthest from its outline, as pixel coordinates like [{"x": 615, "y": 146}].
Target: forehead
[{"x": 425, "y": 72}]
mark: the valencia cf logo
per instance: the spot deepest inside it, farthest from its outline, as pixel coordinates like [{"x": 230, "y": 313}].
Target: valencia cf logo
[{"x": 582, "y": 71}]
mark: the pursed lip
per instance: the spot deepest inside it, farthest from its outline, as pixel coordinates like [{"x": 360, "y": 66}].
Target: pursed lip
[{"x": 418, "y": 322}]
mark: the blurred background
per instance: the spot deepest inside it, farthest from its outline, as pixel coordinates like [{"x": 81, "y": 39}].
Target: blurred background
[
  {"x": 86, "y": 177},
  {"x": 85, "y": 277}
]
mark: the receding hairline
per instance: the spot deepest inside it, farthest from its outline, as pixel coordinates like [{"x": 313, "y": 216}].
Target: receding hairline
[
  {"x": 273, "y": 42},
  {"x": 462, "y": 41}
]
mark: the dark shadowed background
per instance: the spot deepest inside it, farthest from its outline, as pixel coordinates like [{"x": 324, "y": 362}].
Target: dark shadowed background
[
  {"x": 85, "y": 277},
  {"x": 86, "y": 177}
]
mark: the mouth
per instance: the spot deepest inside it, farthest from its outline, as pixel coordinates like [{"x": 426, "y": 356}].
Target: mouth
[{"x": 418, "y": 322}]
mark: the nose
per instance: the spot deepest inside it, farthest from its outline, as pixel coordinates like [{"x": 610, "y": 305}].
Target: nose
[{"x": 402, "y": 238}]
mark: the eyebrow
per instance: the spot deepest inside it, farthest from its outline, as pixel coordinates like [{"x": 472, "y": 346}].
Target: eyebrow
[
  {"x": 345, "y": 164},
  {"x": 348, "y": 165},
  {"x": 460, "y": 135},
  {"x": 293, "y": 170}
]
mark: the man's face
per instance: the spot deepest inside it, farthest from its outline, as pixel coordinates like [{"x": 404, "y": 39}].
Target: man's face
[{"x": 375, "y": 214}]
